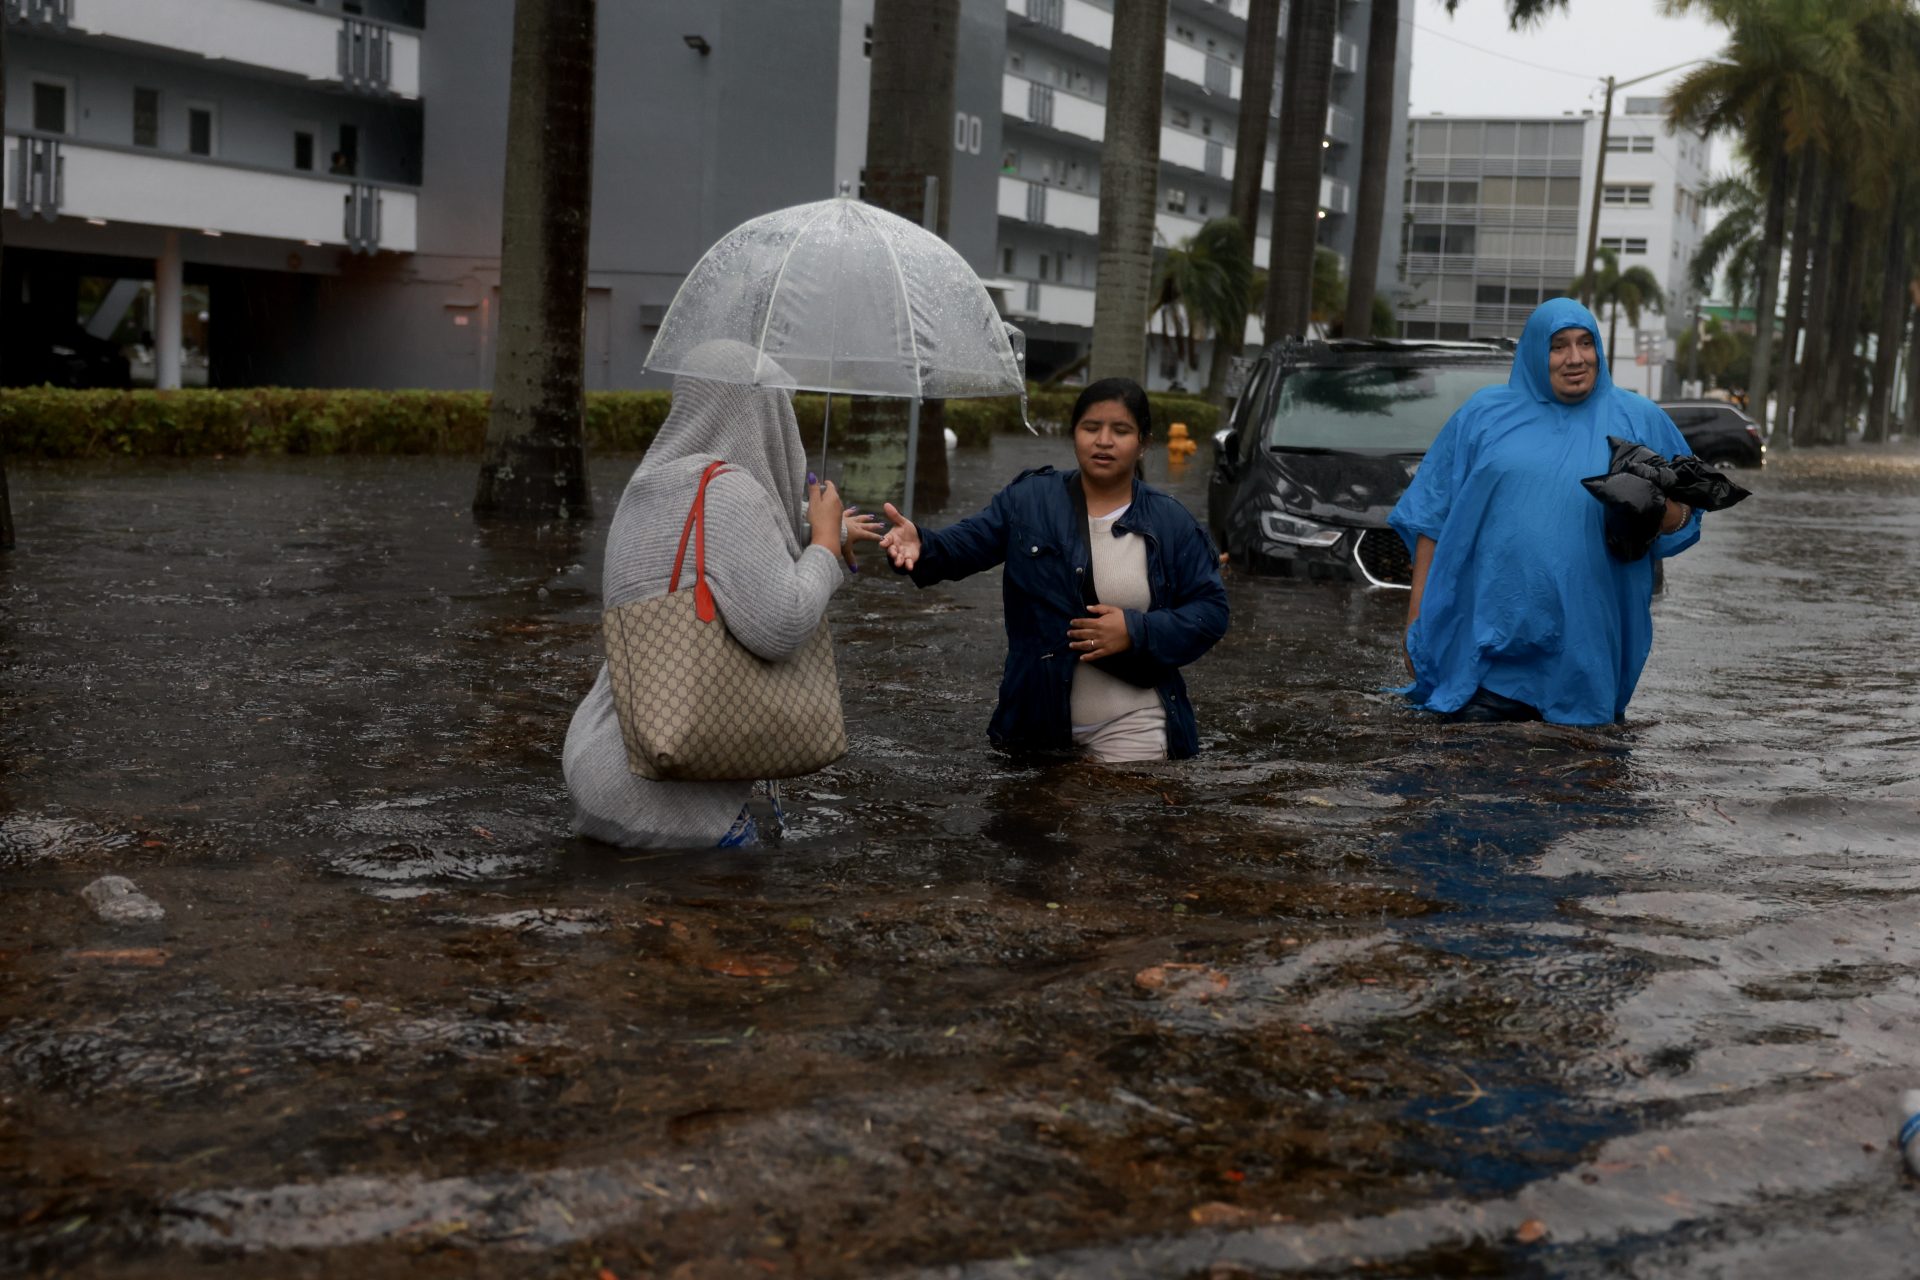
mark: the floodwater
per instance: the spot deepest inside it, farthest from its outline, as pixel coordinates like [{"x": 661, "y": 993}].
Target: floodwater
[{"x": 1354, "y": 993}]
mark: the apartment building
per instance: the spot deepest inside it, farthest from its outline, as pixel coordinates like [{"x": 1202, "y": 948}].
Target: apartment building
[
  {"x": 237, "y": 135},
  {"x": 1497, "y": 218},
  {"x": 307, "y": 192},
  {"x": 1053, "y": 120}
]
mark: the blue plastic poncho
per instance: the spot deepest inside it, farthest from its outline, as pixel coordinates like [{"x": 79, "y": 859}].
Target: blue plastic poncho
[{"x": 1522, "y": 598}]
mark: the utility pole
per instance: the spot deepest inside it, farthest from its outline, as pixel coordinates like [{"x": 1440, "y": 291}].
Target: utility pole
[{"x": 1600, "y": 171}]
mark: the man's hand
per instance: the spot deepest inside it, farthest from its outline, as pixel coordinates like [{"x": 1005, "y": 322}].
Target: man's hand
[{"x": 1101, "y": 635}]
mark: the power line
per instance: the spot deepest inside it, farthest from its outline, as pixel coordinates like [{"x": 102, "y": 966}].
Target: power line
[{"x": 1504, "y": 57}]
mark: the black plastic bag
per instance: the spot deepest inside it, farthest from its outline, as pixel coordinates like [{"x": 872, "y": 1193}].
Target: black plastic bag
[{"x": 1636, "y": 488}]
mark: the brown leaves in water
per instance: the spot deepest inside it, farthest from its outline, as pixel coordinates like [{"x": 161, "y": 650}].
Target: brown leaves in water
[
  {"x": 748, "y": 966},
  {"x": 126, "y": 958},
  {"x": 1530, "y": 1231},
  {"x": 1218, "y": 1213},
  {"x": 1193, "y": 980}
]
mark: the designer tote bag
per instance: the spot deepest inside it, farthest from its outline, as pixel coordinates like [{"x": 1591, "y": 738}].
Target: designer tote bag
[{"x": 697, "y": 705}]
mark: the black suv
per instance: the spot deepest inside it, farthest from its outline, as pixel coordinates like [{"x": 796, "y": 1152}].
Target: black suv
[
  {"x": 1717, "y": 432},
  {"x": 1322, "y": 442}
]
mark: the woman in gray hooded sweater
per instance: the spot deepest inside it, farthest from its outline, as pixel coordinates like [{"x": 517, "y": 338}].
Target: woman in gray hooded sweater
[{"x": 773, "y": 561}]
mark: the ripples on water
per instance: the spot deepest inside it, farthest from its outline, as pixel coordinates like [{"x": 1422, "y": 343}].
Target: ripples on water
[{"x": 1349, "y": 963}]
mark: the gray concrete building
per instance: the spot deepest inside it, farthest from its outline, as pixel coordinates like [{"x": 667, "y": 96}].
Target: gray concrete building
[
  {"x": 307, "y": 192},
  {"x": 1497, "y": 218}
]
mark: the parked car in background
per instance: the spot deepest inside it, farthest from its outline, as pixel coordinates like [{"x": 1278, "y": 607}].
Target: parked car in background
[
  {"x": 1718, "y": 433},
  {"x": 1323, "y": 440}
]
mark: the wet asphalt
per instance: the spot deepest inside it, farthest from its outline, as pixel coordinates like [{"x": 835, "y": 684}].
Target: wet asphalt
[{"x": 1353, "y": 993}]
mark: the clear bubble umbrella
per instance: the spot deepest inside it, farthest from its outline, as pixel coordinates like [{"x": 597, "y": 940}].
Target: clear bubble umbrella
[{"x": 839, "y": 296}]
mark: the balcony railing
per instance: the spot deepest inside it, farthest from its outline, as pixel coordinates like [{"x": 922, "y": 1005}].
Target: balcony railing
[
  {"x": 41, "y": 13},
  {"x": 353, "y": 52},
  {"x": 1048, "y": 206},
  {"x": 51, "y": 177},
  {"x": 1055, "y": 304}
]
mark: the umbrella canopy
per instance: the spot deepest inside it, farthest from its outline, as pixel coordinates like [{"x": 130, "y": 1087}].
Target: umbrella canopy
[{"x": 839, "y": 296}]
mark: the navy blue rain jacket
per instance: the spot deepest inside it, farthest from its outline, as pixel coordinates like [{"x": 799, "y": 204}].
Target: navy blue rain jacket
[{"x": 1035, "y": 527}]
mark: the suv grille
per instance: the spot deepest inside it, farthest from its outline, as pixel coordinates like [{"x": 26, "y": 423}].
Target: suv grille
[{"x": 1383, "y": 556}]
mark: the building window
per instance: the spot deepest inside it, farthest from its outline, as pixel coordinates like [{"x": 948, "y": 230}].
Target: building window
[
  {"x": 1184, "y": 34},
  {"x": 302, "y": 149},
  {"x": 1206, "y": 126},
  {"x": 1639, "y": 144},
  {"x": 1632, "y": 197},
  {"x": 1463, "y": 193},
  {"x": 1015, "y": 60},
  {"x": 1176, "y": 200},
  {"x": 201, "y": 136},
  {"x": 1010, "y": 161},
  {"x": 1491, "y": 295},
  {"x": 50, "y": 99},
  {"x": 1417, "y": 329},
  {"x": 1006, "y": 260},
  {"x": 146, "y": 117},
  {"x": 1201, "y": 209},
  {"x": 1181, "y": 118},
  {"x": 1624, "y": 245},
  {"x": 1429, "y": 192},
  {"x": 346, "y": 157},
  {"x": 1459, "y": 240}
]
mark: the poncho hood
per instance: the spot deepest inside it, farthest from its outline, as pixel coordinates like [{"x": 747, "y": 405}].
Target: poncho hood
[{"x": 1530, "y": 375}]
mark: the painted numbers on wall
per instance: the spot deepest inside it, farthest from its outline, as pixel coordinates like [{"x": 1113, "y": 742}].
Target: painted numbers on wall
[{"x": 966, "y": 133}]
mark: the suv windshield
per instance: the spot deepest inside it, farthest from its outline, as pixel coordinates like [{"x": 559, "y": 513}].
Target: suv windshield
[{"x": 1390, "y": 409}]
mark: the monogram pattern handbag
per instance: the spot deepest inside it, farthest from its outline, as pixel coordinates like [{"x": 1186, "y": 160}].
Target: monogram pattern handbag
[{"x": 697, "y": 705}]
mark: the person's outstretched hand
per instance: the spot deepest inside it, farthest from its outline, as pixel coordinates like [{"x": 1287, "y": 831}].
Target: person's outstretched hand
[
  {"x": 856, "y": 527},
  {"x": 1100, "y": 636},
  {"x": 902, "y": 542}
]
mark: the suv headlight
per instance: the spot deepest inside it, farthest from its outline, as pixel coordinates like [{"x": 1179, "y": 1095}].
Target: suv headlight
[{"x": 1281, "y": 527}]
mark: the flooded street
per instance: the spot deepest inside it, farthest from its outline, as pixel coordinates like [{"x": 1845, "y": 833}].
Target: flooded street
[{"x": 1353, "y": 993}]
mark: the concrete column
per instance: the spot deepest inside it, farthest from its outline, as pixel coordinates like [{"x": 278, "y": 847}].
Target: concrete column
[{"x": 167, "y": 286}]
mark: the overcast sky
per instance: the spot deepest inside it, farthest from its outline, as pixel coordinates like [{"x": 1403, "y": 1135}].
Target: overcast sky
[{"x": 1570, "y": 54}]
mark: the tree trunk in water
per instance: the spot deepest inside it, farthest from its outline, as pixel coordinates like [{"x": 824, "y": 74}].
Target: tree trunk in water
[
  {"x": 1890, "y": 329},
  {"x": 1249, "y": 160},
  {"x": 909, "y": 139},
  {"x": 1376, "y": 140},
  {"x": 1806, "y": 406},
  {"x": 1129, "y": 184},
  {"x": 1838, "y": 381},
  {"x": 1296, "y": 180},
  {"x": 1773, "y": 233},
  {"x": 1804, "y": 197},
  {"x": 535, "y": 460}
]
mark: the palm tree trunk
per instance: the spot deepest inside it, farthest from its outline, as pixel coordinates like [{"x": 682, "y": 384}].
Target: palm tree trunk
[
  {"x": 1129, "y": 184},
  {"x": 1376, "y": 140},
  {"x": 1771, "y": 237},
  {"x": 535, "y": 459},
  {"x": 6, "y": 501},
  {"x": 1837, "y": 378},
  {"x": 1910, "y": 429},
  {"x": 1296, "y": 182},
  {"x": 1613, "y": 327},
  {"x": 1249, "y": 162},
  {"x": 1806, "y": 407},
  {"x": 910, "y": 139},
  {"x": 1893, "y": 318},
  {"x": 1804, "y": 197}
]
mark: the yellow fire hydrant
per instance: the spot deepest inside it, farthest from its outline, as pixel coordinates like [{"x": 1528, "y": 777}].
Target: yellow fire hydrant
[{"x": 1179, "y": 444}]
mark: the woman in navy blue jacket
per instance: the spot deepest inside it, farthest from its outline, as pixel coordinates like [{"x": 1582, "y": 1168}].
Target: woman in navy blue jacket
[{"x": 1111, "y": 587}]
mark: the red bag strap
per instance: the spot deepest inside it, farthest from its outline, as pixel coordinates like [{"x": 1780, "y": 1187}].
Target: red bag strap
[{"x": 696, "y": 525}]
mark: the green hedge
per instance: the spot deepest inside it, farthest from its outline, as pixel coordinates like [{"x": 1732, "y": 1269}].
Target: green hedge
[{"x": 49, "y": 422}]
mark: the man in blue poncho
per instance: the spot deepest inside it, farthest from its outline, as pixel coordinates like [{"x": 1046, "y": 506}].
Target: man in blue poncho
[{"x": 1518, "y": 611}]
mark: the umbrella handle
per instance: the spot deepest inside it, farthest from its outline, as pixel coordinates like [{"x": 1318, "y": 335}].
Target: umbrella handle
[{"x": 826, "y": 425}]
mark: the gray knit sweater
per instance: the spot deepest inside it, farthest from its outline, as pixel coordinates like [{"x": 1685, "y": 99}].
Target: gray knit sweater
[{"x": 771, "y": 593}]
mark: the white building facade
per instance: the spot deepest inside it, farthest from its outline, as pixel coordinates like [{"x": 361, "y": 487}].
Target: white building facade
[{"x": 1497, "y": 217}]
